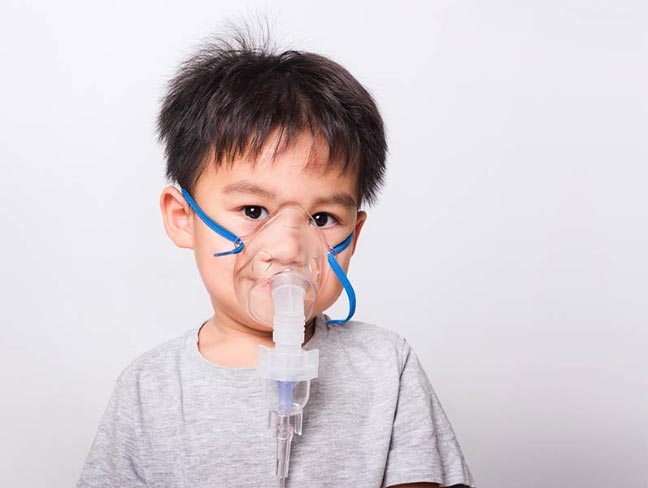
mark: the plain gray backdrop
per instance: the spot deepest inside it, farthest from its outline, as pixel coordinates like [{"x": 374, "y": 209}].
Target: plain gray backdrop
[{"x": 509, "y": 246}]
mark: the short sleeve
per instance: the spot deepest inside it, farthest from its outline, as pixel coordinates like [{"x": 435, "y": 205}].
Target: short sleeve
[
  {"x": 423, "y": 446},
  {"x": 114, "y": 456}
]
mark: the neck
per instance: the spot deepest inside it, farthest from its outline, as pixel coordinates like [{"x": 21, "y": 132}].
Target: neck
[{"x": 235, "y": 345}]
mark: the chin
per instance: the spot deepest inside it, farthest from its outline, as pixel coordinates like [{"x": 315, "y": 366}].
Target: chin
[{"x": 260, "y": 327}]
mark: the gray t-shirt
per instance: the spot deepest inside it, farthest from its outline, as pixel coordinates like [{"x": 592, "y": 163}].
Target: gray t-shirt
[{"x": 373, "y": 420}]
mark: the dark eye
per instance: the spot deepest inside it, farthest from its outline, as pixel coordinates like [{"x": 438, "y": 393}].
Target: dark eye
[
  {"x": 255, "y": 212},
  {"x": 324, "y": 219}
]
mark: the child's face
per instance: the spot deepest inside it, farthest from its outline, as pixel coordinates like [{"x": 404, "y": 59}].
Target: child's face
[{"x": 239, "y": 190}]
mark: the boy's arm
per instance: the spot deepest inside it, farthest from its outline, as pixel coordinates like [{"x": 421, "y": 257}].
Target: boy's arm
[
  {"x": 114, "y": 458},
  {"x": 424, "y": 485},
  {"x": 423, "y": 444},
  {"x": 416, "y": 485}
]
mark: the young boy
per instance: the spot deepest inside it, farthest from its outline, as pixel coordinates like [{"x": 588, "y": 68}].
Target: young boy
[{"x": 250, "y": 133}]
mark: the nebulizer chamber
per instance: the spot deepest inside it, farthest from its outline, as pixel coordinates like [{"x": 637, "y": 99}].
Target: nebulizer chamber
[
  {"x": 277, "y": 278},
  {"x": 287, "y": 368}
]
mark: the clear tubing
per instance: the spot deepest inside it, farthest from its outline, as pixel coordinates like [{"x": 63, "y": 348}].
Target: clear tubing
[
  {"x": 284, "y": 429},
  {"x": 284, "y": 443}
]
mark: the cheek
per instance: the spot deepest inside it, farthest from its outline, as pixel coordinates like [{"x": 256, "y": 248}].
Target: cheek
[
  {"x": 214, "y": 277},
  {"x": 333, "y": 288},
  {"x": 216, "y": 272},
  {"x": 330, "y": 293}
]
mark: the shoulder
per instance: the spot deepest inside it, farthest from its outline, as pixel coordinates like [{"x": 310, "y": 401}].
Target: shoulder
[
  {"x": 368, "y": 333},
  {"x": 158, "y": 365},
  {"x": 378, "y": 341}
]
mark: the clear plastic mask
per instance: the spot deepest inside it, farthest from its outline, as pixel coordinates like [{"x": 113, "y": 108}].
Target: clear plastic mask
[
  {"x": 289, "y": 240},
  {"x": 266, "y": 245}
]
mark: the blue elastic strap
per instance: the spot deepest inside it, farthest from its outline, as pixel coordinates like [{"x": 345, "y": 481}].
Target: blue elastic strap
[
  {"x": 219, "y": 229},
  {"x": 339, "y": 272}
]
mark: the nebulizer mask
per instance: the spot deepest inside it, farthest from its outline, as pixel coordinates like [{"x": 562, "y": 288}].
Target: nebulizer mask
[{"x": 281, "y": 263}]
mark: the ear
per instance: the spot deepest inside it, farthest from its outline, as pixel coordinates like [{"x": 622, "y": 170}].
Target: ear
[
  {"x": 177, "y": 217},
  {"x": 362, "y": 217}
]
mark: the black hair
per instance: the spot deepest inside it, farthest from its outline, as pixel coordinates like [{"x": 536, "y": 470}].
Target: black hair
[{"x": 226, "y": 100}]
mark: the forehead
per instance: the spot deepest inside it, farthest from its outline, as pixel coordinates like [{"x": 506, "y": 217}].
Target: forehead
[{"x": 298, "y": 171}]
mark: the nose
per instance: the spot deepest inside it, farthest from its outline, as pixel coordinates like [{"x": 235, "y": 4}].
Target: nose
[
  {"x": 288, "y": 240},
  {"x": 286, "y": 248}
]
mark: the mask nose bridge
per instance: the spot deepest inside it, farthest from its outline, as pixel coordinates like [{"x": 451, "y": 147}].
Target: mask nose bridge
[
  {"x": 285, "y": 238},
  {"x": 292, "y": 216}
]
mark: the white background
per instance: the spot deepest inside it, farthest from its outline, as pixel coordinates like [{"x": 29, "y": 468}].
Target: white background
[{"x": 509, "y": 246}]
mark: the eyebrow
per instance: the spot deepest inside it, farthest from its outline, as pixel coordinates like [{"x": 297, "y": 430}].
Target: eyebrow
[
  {"x": 245, "y": 187},
  {"x": 341, "y": 199}
]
